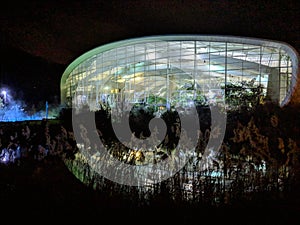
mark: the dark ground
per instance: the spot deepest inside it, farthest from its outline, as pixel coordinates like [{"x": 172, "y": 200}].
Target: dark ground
[{"x": 48, "y": 193}]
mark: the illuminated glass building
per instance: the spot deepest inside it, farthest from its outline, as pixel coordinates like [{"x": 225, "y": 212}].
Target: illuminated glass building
[{"x": 177, "y": 69}]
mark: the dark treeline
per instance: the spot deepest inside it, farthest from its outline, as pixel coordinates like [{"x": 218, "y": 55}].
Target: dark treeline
[{"x": 259, "y": 167}]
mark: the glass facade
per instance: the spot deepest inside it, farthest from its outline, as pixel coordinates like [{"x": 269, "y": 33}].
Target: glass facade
[{"x": 176, "y": 70}]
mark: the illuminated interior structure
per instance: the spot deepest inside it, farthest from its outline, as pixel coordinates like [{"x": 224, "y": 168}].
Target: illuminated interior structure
[{"x": 177, "y": 69}]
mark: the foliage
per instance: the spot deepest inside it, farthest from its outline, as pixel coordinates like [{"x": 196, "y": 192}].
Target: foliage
[
  {"x": 139, "y": 118},
  {"x": 259, "y": 156},
  {"x": 152, "y": 100},
  {"x": 243, "y": 95}
]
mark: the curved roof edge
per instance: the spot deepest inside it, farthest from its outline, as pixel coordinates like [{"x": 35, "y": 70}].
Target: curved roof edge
[{"x": 290, "y": 50}]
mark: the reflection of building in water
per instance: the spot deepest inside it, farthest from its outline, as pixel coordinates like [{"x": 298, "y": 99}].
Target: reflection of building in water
[{"x": 175, "y": 70}]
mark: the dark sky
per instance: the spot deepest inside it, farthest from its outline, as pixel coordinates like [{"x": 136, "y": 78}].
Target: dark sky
[{"x": 40, "y": 38}]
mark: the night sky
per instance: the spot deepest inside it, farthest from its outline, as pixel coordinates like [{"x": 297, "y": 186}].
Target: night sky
[{"x": 39, "y": 39}]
